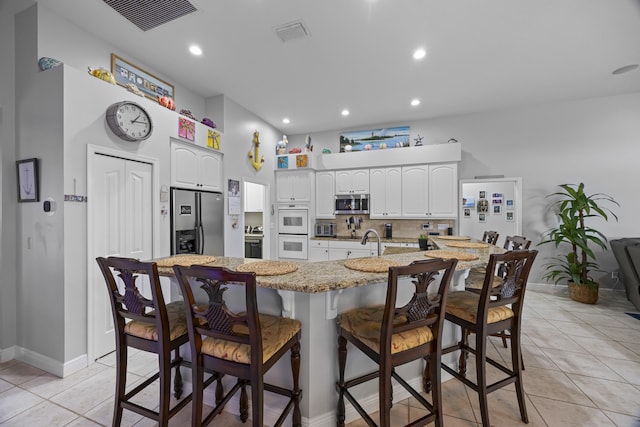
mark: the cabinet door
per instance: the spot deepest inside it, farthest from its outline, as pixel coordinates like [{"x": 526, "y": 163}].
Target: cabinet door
[
  {"x": 325, "y": 199},
  {"x": 283, "y": 186},
  {"x": 184, "y": 167},
  {"x": 414, "y": 191},
  {"x": 318, "y": 254},
  {"x": 253, "y": 197},
  {"x": 443, "y": 190},
  {"x": 210, "y": 171},
  {"x": 300, "y": 186},
  {"x": 360, "y": 181},
  {"x": 394, "y": 192},
  {"x": 378, "y": 193},
  {"x": 343, "y": 182}
]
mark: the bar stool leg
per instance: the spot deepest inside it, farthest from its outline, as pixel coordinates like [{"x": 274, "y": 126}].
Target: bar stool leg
[
  {"x": 436, "y": 388},
  {"x": 244, "y": 402},
  {"x": 516, "y": 361},
  {"x": 295, "y": 370},
  {"x": 342, "y": 363},
  {"x": 121, "y": 383},
  {"x": 165, "y": 387},
  {"x": 481, "y": 373},
  {"x": 464, "y": 354},
  {"x": 177, "y": 381}
]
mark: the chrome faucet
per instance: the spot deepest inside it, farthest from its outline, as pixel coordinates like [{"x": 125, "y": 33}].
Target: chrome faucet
[{"x": 366, "y": 236}]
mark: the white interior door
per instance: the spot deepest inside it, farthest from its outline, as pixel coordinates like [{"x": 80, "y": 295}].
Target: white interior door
[{"x": 122, "y": 216}]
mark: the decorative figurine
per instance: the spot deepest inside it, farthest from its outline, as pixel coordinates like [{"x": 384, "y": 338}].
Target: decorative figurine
[
  {"x": 46, "y": 63},
  {"x": 348, "y": 148},
  {"x": 452, "y": 140},
  {"x": 167, "y": 102},
  {"x": 382, "y": 145},
  {"x": 281, "y": 146},
  {"x": 256, "y": 143},
  {"x": 308, "y": 146},
  {"x": 208, "y": 122},
  {"x": 418, "y": 140},
  {"x": 326, "y": 151},
  {"x": 102, "y": 74},
  {"x": 133, "y": 89},
  {"x": 368, "y": 147},
  {"x": 187, "y": 113},
  {"x": 295, "y": 150}
]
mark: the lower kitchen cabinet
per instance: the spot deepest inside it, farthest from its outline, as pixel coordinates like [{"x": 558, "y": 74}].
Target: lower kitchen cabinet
[
  {"x": 330, "y": 250},
  {"x": 318, "y": 250}
]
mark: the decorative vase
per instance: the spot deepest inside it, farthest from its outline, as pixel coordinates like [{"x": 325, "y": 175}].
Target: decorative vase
[
  {"x": 583, "y": 293},
  {"x": 423, "y": 244}
]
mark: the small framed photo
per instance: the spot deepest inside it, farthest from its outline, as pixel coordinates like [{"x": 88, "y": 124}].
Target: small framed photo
[
  {"x": 467, "y": 213},
  {"x": 483, "y": 205},
  {"x": 509, "y": 204},
  {"x": 497, "y": 209},
  {"x": 509, "y": 216},
  {"x": 497, "y": 201},
  {"x": 497, "y": 195},
  {"x": 28, "y": 180},
  {"x": 482, "y": 195},
  {"x": 482, "y": 217}
]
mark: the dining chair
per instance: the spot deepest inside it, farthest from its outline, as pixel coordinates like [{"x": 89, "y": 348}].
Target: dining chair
[
  {"x": 392, "y": 335},
  {"x": 240, "y": 343},
  {"x": 148, "y": 325},
  {"x": 494, "y": 309},
  {"x": 490, "y": 237}
]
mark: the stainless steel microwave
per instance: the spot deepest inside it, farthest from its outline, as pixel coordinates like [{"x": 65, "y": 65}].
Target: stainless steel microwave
[{"x": 352, "y": 204}]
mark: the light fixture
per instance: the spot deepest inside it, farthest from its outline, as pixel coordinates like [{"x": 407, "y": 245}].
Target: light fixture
[
  {"x": 419, "y": 53},
  {"x": 415, "y": 102},
  {"x": 195, "y": 50},
  {"x": 625, "y": 69},
  {"x": 286, "y": 121},
  {"x": 345, "y": 112}
]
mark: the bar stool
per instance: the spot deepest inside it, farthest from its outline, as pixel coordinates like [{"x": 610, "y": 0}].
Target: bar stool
[
  {"x": 244, "y": 345},
  {"x": 148, "y": 325},
  {"x": 392, "y": 336},
  {"x": 490, "y": 237},
  {"x": 494, "y": 310}
]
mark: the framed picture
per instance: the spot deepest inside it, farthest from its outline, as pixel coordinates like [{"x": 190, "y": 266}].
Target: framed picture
[
  {"x": 374, "y": 139},
  {"x": 150, "y": 85},
  {"x": 509, "y": 204},
  {"x": 509, "y": 216},
  {"x": 497, "y": 209},
  {"x": 467, "y": 213},
  {"x": 28, "y": 182},
  {"x": 186, "y": 129},
  {"x": 482, "y": 217},
  {"x": 482, "y": 194},
  {"x": 234, "y": 197}
]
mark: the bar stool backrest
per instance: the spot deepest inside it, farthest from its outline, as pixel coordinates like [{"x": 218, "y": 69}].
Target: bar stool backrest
[{"x": 490, "y": 237}]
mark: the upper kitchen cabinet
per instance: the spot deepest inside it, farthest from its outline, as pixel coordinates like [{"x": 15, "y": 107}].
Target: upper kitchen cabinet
[
  {"x": 430, "y": 191},
  {"x": 385, "y": 193},
  {"x": 353, "y": 181},
  {"x": 293, "y": 186},
  {"x": 325, "y": 200},
  {"x": 253, "y": 197},
  {"x": 195, "y": 168}
]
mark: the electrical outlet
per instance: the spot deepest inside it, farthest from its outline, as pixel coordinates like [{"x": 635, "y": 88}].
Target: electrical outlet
[{"x": 614, "y": 275}]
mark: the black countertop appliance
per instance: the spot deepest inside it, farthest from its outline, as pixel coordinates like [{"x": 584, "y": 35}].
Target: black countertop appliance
[{"x": 388, "y": 231}]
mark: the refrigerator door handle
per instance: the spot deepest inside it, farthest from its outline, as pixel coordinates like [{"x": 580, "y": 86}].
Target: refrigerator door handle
[{"x": 198, "y": 225}]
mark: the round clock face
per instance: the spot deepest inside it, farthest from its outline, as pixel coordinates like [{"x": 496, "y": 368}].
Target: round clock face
[{"x": 129, "y": 121}]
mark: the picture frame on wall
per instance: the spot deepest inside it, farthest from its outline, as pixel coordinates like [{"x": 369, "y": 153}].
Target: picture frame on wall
[
  {"x": 28, "y": 180},
  {"x": 151, "y": 86}
]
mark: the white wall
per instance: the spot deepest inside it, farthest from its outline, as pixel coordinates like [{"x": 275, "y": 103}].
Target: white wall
[{"x": 594, "y": 141}]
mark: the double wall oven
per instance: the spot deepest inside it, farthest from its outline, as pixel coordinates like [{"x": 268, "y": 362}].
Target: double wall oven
[{"x": 293, "y": 232}]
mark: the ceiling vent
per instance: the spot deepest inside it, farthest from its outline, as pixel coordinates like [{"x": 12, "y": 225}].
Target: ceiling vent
[
  {"x": 149, "y": 14},
  {"x": 292, "y": 31}
]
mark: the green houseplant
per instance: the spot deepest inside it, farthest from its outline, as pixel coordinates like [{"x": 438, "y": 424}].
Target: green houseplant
[
  {"x": 575, "y": 207},
  {"x": 422, "y": 241}
]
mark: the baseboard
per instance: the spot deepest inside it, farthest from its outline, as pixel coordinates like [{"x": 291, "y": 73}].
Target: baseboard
[
  {"x": 7, "y": 354},
  {"x": 50, "y": 365}
]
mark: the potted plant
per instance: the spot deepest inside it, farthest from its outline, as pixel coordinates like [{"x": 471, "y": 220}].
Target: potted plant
[
  {"x": 574, "y": 209},
  {"x": 422, "y": 241}
]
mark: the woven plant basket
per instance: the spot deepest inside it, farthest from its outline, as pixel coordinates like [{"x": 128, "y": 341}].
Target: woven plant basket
[{"x": 584, "y": 294}]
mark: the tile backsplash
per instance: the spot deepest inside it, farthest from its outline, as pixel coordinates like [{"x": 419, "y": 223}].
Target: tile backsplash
[{"x": 406, "y": 228}]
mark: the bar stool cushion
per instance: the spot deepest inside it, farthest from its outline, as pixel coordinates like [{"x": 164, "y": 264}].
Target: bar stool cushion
[
  {"x": 475, "y": 279},
  {"x": 276, "y": 332},
  {"x": 365, "y": 323},
  {"x": 148, "y": 331},
  {"x": 464, "y": 305}
]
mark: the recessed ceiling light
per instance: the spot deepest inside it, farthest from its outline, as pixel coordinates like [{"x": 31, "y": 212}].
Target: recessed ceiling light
[
  {"x": 419, "y": 53},
  {"x": 345, "y": 112},
  {"x": 625, "y": 69},
  {"x": 195, "y": 50},
  {"x": 286, "y": 121},
  {"x": 415, "y": 102}
]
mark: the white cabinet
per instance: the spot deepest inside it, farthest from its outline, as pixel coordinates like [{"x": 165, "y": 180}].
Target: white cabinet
[
  {"x": 353, "y": 181},
  {"x": 325, "y": 200},
  {"x": 346, "y": 250},
  {"x": 429, "y": 191},
  {"x": 293, "y": 186},
  {"x": 318, "y": 250},
  {"x": 195, "y": 168},
  {"x": 385, "y": 193},
  {"x": 253, "y": 197}
]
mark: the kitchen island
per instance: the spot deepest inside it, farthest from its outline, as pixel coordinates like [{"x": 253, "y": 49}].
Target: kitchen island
[{"x": 315, "y": 294}]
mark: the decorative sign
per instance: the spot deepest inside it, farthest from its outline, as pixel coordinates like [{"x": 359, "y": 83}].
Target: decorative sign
[{"x": 151, "y": 86}]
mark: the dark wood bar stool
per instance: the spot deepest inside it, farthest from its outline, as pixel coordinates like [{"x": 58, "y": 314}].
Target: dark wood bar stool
[
  {"x": 244, "y": 345},
  {"x": 490, "y": 237},
  {"x": 494, "y": 309},
  {"x": 148, "y": 325},
  {"x": 392, "y": 336}
]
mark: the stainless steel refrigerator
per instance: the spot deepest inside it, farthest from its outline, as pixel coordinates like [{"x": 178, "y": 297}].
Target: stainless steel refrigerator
[{"x": 197, "y": 221}]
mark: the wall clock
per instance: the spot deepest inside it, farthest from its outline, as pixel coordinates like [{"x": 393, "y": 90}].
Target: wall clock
[{"x": 129, "y": 121}]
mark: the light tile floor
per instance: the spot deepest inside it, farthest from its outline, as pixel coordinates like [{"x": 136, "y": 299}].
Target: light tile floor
[{"x": 582, "y": 369}]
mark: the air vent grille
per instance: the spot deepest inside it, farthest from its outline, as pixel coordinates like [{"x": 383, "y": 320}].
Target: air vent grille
[
  {"x": 149, "y": 14},
  {"x": 292, "y": 31}
]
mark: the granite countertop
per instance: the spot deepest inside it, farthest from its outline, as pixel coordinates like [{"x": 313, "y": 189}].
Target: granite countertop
[
  {"x": 371, "y": 239},
  {"x": 324, "y": 276}
]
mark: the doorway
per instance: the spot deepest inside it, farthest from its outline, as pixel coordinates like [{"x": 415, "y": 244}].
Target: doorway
[
  {"x": 256, "y": 220},
  {"x": 120, "y": 219}
]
